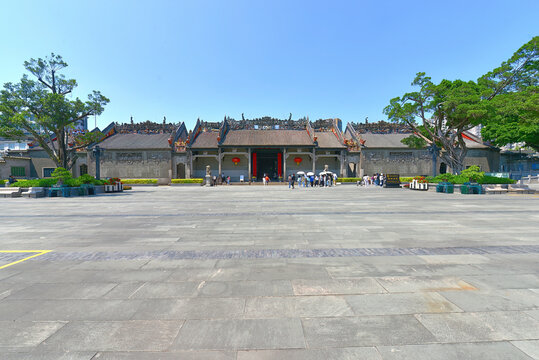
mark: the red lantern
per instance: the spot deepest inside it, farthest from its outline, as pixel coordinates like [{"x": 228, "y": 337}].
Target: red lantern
[
  {"x": 236, "y": 160},
  {"x": 298, "y": 160}
]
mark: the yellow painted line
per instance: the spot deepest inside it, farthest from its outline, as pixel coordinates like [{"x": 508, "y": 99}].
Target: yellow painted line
[{"x": 38, "y": 253}]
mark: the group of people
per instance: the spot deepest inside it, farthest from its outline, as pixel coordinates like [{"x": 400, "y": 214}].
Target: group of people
[
  {"x": 324, "y": 180},
  {"x": 220, "y": 180},
  {"x": 376, "y": 179}
]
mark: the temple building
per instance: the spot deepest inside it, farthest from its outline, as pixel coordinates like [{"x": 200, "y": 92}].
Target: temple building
[{"x": 248, "y": 149}]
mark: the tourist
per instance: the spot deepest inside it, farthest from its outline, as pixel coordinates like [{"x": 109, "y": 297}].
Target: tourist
[
  {"x": 316, "y": 180},
  {"x": 11, "y": 179},
  {"x": 293, "y": 180},
  {"x": 264, "y": 179},
  {"x": 289, "y": 181},
  {"x": 311, "y": 180},
  {"x": 228, "y": 180}
]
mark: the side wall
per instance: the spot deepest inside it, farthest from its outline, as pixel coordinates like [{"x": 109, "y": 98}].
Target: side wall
[{"x": 138, "y": 164}]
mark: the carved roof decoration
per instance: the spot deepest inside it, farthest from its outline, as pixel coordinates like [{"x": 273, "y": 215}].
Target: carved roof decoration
[{"x": 381, "y": 127}]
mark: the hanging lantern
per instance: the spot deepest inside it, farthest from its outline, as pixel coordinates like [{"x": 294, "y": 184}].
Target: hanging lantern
[
  {"x": 236, "y": 160},
  {"x": 298, "y": 160}
]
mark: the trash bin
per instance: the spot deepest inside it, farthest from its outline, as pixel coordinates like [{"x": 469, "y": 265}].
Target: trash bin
[
  {"x": 440, "y": 187},
  {"x": 464, "y": 188},
  {"x": 449, "y": 188}
]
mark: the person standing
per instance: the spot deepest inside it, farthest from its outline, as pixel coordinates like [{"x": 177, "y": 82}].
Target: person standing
[{"x": 293, "y": 180}]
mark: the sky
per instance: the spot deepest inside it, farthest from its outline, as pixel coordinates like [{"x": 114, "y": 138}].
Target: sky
[{"x": 209, "y": 59}]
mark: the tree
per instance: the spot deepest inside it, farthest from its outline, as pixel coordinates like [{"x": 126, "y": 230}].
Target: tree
[
  {"x": 42, "y": 108},
  {"x": 514, "y": 92},
  {"x": 441, "y": 113}
]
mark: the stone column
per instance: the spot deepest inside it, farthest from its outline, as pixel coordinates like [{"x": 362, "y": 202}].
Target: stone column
[
  {"x": 188, "y": 174},
  {"x": 285, "y": 177},
  {"x": 314, "y": 160},
  {"x": 342, "y": 163},
  {"x": 360, "y": 165},
  {"x": 219, "y": 158},
  {"x": 249, "y": 150}
]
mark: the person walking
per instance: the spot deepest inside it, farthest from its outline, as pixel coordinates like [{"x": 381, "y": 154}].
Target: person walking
[{"x": 293, "y": 180}]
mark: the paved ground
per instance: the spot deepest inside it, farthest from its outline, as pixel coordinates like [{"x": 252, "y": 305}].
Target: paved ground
[{"x": 267, "y": 273}]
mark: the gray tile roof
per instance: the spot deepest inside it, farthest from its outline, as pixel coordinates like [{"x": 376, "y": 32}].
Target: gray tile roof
[
  {"x": 267, "y": 138},
  {"x": 393, "y": 140},
  {"x": 205, "y": 140},
  {"x": 136, "y": 141},
  {"x": 327, "y": 139}
]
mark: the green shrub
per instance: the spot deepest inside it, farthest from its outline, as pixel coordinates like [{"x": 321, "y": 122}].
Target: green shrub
[
  {"x": 139, "y": 181},
  {"x": 26, "y": 183},
  {"x": 473, "y": 173},
  {"x": 348, "y": 180},
  {"x": 61, "y": 173},
  {"x": 406, "y": 179},
  {"x": 187, "y": 181},
  {"x": 496, "y": 180},
  {"x": 86, "y": 179}
]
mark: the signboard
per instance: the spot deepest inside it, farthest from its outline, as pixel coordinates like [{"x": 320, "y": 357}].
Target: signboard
[{"x": 392, "y": 181}]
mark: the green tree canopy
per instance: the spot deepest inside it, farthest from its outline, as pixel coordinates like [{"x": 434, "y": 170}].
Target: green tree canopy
[
  {"x": 503, "y": 99},
  {"x": 41, "y": 107}
]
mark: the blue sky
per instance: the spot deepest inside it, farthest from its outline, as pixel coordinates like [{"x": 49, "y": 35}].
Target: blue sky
[{"x": 208, "y": 59}]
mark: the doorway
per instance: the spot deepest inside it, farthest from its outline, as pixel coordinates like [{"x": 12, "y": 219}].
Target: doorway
[
  {"x": 266, "y": 162},
  {"x": 180, "y": 171}
]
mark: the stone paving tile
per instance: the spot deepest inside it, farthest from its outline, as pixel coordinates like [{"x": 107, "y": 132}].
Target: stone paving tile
[
  {"x": 365, "y": 331},
  {"x": 289, "y": 272},
  {"x": 337, "y": 286},
  {"x": 182, "y": 355},
  {"x": 500, "y": 281},
  {"x": 63, "y": 291},
  {"x": 193, "y": 308},
  {"x": 191, "y": 274},
  {"x": 482, "y": 326},
  {"x": 529, "y": 347},
  {"x": 464, "y": 351},
  {"x": 113, "y": 336},
  {"x": 494, "y": 300},
  {"x": 68, "y": 310},
  {"x": 240, "y": 334},
  {"x": 26, "y": 334},
  {"x": 455, "y": 259},
  {"x": 123, "y": 290},
  {"x": 397, "y": 284},
  {"x": 166, "y": 290},
  {"x": 90, "y": 276},
  {"x": 297, "y": 306},
  {"x": 355, "y": 353},
  {"x": 178, "y": 264},
  {"x": 87, "y": 355},
  {"x": 245, "y": 288},
  {"x": 400, "y": 303},
  {"x": 533, "y": 313}
]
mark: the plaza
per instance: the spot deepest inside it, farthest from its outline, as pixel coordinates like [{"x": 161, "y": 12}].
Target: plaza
[{"x": 253, "y": 272}]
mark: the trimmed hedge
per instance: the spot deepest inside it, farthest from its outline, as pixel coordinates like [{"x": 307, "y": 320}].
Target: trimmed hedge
[
  {"x": 461, "y": 179},
  {"x": 139, "y": 181},
  {"x": 348, "y": 180},
  {"x": 187, "y": 181}
]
